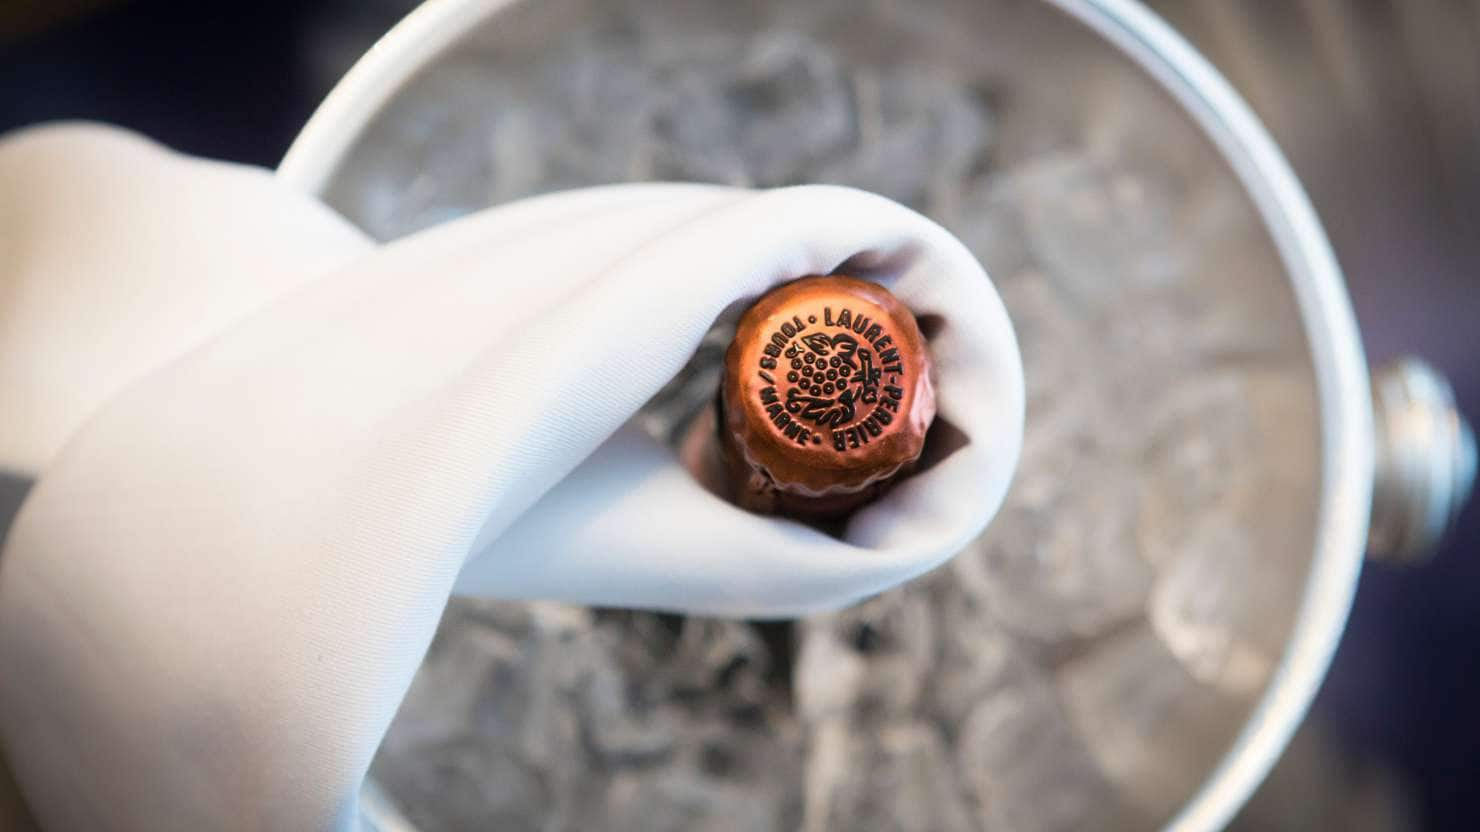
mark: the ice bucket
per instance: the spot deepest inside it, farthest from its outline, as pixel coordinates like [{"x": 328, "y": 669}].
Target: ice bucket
[{"x": 1135, "y": 638}]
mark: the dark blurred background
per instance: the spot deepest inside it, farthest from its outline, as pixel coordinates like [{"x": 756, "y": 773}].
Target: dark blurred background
[{"x": 1376, "y": 102}]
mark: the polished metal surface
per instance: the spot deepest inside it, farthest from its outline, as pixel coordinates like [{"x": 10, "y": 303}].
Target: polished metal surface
[
  {"x": 1377, "y": 106},
  {"x": 1425, "y": 462},
  {"x": 1341, "y": 379}
]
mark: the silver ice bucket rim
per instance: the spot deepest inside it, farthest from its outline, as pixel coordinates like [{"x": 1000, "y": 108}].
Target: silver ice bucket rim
[{"x": 1347, "y": 444}]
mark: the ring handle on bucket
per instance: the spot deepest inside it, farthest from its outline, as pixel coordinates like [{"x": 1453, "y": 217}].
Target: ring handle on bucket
[{"x": 1425, "y": 467}]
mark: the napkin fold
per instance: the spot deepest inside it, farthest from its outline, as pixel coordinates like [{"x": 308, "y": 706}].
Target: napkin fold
[{"x": 268, "y": 451}]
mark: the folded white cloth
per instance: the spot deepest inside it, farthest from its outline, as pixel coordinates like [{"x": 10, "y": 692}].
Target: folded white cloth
[{"x": 269, "y": 451}]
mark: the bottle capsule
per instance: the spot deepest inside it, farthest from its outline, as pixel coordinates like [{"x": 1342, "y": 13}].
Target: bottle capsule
[{"x": 827, "y": 397}]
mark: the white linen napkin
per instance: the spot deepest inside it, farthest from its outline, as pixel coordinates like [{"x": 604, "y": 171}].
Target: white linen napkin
[{"x": 268, "y": 451}]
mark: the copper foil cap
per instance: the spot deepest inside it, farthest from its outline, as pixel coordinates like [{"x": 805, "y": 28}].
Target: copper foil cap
[{"x": 827, "y": 394}]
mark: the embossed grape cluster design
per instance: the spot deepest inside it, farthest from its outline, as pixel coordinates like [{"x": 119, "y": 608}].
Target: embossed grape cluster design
[{"x": 832, "y": 375}]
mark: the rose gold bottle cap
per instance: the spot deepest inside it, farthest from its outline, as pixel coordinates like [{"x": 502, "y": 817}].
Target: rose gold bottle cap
[{"x": 827, "y": 395}]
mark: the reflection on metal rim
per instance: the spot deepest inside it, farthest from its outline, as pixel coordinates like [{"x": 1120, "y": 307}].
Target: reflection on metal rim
[
  {"x": 1336, "y": 351},
  {"x": 1341, "y": 376},
  {"x": 372, "y": 82}
]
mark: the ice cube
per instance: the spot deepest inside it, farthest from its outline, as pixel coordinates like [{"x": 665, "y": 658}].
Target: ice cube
[
  {"x": 1153, "y": 730},
  {"x": 975, "y": 656},
  {"x": 918, "y": 136},
  {"x": 1199, "y": 439},
  {"x": 899, "y": 775},
  {"x": 1060, "y": 561},
  {"x": 893, "y": 636},
  {"x": 760, "y": 120},
  {"x": 1200, "y": 605},
  {"x": 677, "y": 800},
  {"x": 1025, "y": 769}
]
